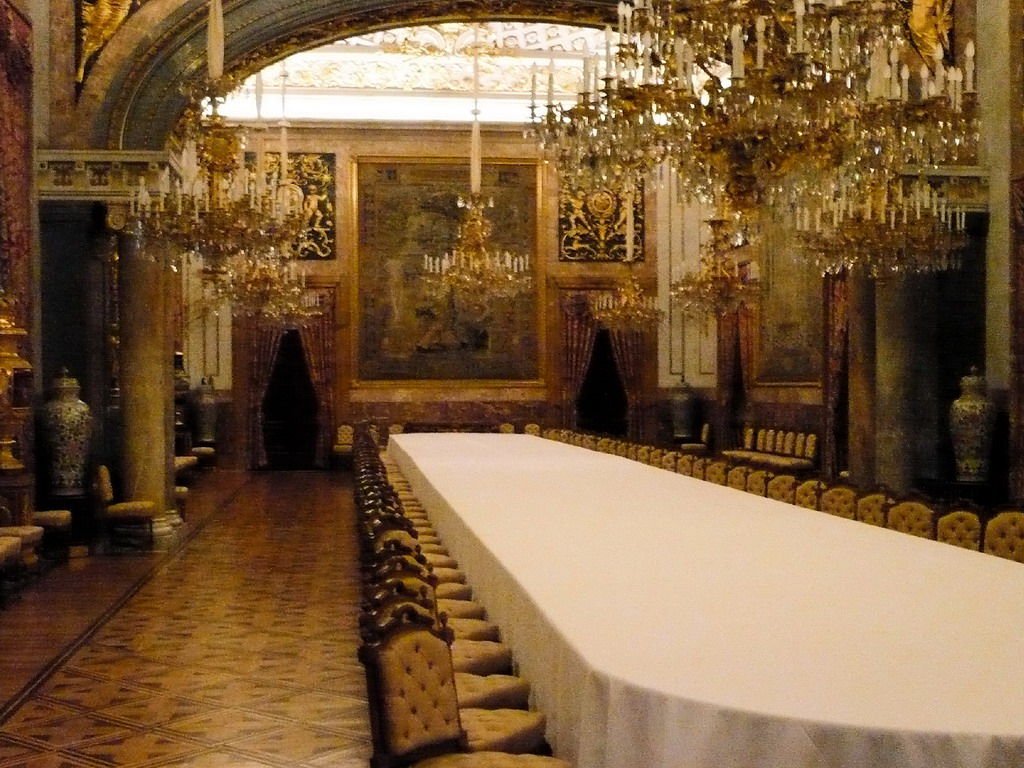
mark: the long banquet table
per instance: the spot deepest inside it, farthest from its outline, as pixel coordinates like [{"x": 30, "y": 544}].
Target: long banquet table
[{"x": 667, "y": 622}]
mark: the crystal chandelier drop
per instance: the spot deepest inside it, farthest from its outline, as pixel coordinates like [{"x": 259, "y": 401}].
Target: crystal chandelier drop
[
  {"x": 232, "y": 220},
  {"x": 726, "y": 277},
  {"x": 474, "y": 272}
]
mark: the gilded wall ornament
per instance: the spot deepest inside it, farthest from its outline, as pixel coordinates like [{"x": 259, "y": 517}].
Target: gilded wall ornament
[
  {"x": 314, "y": 174},
  {"x": 97, "y": 21},
  {"x": 592, "y": 226},
  {"x": 930, "y": 23}
]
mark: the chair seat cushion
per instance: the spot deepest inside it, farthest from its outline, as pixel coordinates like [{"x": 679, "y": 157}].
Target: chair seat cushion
[
  {"x": 491, "y": 760},
  {"x": 473, "y": 629},
  {"x": 183, "y": 463},
  {"x": 10, "y": 549},
  {"x": 453, "y": 591},
  {"x": 481, "y": 657},
  {"x": 201, "y": 451},
  {"x": 52, "y": 518},
  {"x": 432, "y": 549},
  {"x": 769, "y": 459},
  {"x": 491, "y": 691},
  {"x": 461, "y": 609},
  {"x": 435, "y": 560},
  {"x": 449, "y": 576},
  {"x": 502, "y": 730},
  {"x": 132, "y": 509},
  {"x": 30, "y": 535}
]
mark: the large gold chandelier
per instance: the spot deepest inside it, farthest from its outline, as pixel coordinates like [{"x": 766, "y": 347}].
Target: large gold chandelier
[
  {"x": 474, "y": 272},
  {"x": 726, "y": 276},
  {"x": 627, "y": 307},
  {"x": 236, "y": 223},
  {"x": 770, "y": 108}
]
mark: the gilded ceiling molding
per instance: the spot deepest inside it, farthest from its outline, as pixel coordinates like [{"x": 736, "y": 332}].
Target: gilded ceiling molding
[
  {"x": 96, "y": 21},
  {"x": 142, "y": 91}
]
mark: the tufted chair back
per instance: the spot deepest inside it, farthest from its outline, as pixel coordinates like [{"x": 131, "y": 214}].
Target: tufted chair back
[
  {"x": 414, "y": 711},
  {"x": 912, "y": 516},
  {"x": 631, "y": 451},
  {"x": 604, "y": 445},
  {"x": 757, "y": 482},
  {"x": 839, "y": 500},
  {"x": 1004, "y": 535},
  {"x": 700, "y": 465},
  {"x": 654, "y": 457},
  {"x": 782, "y": 488},
  {"x": 643, "y": 453},
  {"x": 685, "y": 464},
  {"x": 737, "y": 477},
  {"x": 506, "y": 428},
  {"x": 104, "y": 488},
  {"x": 873, "y": 508},
  {"x": 811, "y": 448},
  {"x": 668, "y": 460},
  {"x": 717, "y": 472},
  {"x": 808, "y": 494},
  {"x": 961, "y": 528},
  {"x": 532, "y": 429}
]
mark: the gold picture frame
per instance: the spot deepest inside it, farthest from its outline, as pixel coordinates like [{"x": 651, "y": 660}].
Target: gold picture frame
[{"x": 406, "y": 209}]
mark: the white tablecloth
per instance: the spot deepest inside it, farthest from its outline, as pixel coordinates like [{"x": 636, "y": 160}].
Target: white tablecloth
[{"x": 665, "y": 621}]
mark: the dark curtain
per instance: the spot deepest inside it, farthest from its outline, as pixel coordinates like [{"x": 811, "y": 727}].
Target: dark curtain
[
  {"x": 580, "y": 334},
  {"x": 266, "y": 342},
  {"x": 836, "y": 346},
  {"x": 318, "y": 347},
  {"x": 628, "y": 348},
  {"x": 1017, "y": 329}
]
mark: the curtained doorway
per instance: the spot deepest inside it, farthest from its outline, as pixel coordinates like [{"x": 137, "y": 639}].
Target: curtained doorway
[
  {"x": 290, "y": 409},
  {"x": 602, "y": 405}
]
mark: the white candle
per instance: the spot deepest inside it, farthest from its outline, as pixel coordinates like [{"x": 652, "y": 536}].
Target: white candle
[
  {"x": 215, "y": 40},
  {"x": 836, "y": 62},
  {"x": 925, "y": 87},
  {"x": 798, "y": 7},
  {"x": 736, "y": 45},
  {"x": 969, "y": 67},
  {"x": 533, "y": 86},
  {"x": 586, "y": 75},
  {"x": 759, "y": 27},
  {"x": 904, "y": 83},
  {"x": 551, "y": 82}
]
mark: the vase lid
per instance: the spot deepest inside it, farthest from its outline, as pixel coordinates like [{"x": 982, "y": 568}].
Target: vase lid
[
  {"x": 974, "y": 380},
  {"x": 64, "y": 381}
]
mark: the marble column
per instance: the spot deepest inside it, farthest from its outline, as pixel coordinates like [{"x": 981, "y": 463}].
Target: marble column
[
  {"x": 146, "y": 379},
  {"x": 906, "y": 411}
]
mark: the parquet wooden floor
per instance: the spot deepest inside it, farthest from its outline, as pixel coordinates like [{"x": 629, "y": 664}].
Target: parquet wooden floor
[{"x": 237, "y": 648}]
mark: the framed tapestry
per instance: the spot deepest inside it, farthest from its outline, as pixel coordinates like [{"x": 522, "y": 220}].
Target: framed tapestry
[
  {"x": 790, "y": 346},
  {"x": 592, "y": 225},
  {"x": 408, "y": 211}
]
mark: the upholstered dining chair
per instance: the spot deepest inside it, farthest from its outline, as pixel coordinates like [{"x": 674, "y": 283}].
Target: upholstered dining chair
[
  {"x": 684, "y": 466},
  {"x": 643, "y": 454},
  {"x": 415, "y": 715},
  {"x": 914, "y": 516},
  {"x": 654, "y": 457},
  {"x": 668, "y": 460},
  {"x": 717, "y": 472},
  {"x": 118, "y": 517},
  {"x": 757, "y": 482},
  {"x": 839, "y": 500},
  {"x": 782, "y": 488},
  {"x": 960, "y": 526},
  {"x": 1004, "y": 535},
  {"x": 532, "y": 429},
  {"x": 702, "y": 446},
  {"x": 873, "y": 508},
  {"x": 808, "y": 494},
  {"x": 737, "y": 477},
  {"x": 700, "y": 465}
]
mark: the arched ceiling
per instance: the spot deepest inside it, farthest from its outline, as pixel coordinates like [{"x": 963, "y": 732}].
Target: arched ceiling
[{"x": 134, "y": 92}]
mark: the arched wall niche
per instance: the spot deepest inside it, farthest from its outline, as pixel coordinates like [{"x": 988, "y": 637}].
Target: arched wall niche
[{"x": 133, "y": 95}]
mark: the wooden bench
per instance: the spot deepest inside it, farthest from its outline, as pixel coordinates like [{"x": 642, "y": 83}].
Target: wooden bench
[{"x": 777, "y": 449}]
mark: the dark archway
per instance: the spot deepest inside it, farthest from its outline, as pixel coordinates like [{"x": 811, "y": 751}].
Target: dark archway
[
  {"x": 290, "y": 409},
  {"x": 602, "y": 405}
]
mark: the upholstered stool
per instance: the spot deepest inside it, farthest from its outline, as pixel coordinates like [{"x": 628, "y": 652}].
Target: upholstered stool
[
  {"x": 30, "y": 538},
  {"x": 206, "y": 455},
  {"x": 183, "y": 465},
  {"x": 491, "y": 691},
  {"x": 181, "y": 499},
  {"x": 56, "y": 525}
]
